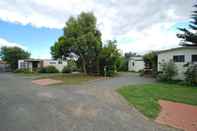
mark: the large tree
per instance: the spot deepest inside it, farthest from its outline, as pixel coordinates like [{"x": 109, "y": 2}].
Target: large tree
[
  {"x": 109, "y": 58},
  {"x": 12, "y": 55},
  {"x": 82, "y": 38},
  {"x": 189, "y": 37},
  {"x": 150, "y": 60}
]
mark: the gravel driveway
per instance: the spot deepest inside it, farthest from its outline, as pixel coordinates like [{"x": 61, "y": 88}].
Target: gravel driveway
[{"x": 94, "y": 106}]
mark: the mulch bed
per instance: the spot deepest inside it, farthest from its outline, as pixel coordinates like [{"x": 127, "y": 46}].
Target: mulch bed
[
  {"x": 178, "y": 115},
  {"x": 46, "y": 82}
]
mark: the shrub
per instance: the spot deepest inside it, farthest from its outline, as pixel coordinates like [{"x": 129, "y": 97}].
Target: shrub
[
  {"x": 48, "y": 69},
  {"x": 72, "y": 65},
  {"x": 66, "y": 69},
  {"x": 41, "y": 70},
  {"x": 51, "y": 69},
  {"x": 168, "y": 71},
  {"x": 141, "y": 72},
  {"x": 109, "y": 71},
  {"x": 191, "y": 75},
  {"x": 26, "y": 71}
]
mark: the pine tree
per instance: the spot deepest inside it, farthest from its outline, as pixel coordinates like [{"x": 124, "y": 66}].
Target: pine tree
[{"x": 189, "y": 37}]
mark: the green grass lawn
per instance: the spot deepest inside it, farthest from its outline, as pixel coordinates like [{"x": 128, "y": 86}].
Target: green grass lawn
[
  {"x": 145, "y": 97},
  {"x": 69, "y": 78}
]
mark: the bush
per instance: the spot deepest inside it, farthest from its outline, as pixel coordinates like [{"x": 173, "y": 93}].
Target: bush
[
  {"x": 66, "y": 69},
  {"x": 168, "y": 71},
  {"x": 26, "y": 71},
  {"x": 72, "y": 65},
  {"x": 41, "y": 70},
  {"x": 141, "y": 72},
  {"x": 191, "y": 75},
  {"x": 48, "y": 69},
  {"x": 110, "y": 71}
]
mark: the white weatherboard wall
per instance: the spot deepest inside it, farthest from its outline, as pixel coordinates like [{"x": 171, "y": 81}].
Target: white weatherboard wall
[
  {"x": 136, "y": 64},
  {"x": 166, "y": 56},
  {"x": 22, "y": 64}
]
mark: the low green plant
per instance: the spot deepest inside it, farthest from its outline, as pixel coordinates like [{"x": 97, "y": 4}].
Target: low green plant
[
  {"x": 48, "y": 69},
  {"x": 141, "y": 72},
  {"x": 26, "y": 71},
  {"x": 168, "y": 71},
  {"x": 191, "y": 75},
  {"x": 66, "y": 69},
  {"x": 41, "y": 70}
]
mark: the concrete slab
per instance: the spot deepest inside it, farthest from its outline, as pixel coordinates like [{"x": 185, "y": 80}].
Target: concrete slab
[{"x": 46, "y": 82}]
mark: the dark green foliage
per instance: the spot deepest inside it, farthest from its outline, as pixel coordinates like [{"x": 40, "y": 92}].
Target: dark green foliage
[
  {"x": 191, "y": 75},
  {"x": 25, "y": 71},
  {"x": 141, "y": 73},
  {"x": 41, "y": 70},
  {"x": 66, "y": 69},
  {"x": 48, "y": 69},
  {"x": 150, "y": 60},
  {"x": 123, "y": 64},
  {"x": 168, "y": 71},
  {"x": 82, "y": 38},
  {"x": 189, "y": 38},
  {"x": 71, "y": 66},
  {"x": 109, "y": 59},
  {"x": 12, "y": 54},
  {"x": 128, "y": 55}
]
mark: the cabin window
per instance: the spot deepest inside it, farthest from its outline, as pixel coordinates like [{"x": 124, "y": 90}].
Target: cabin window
[
  {"x": 194, "y": 58},
  {"x": 179, "y": 58},
  {"x": 23, "y": 65}
]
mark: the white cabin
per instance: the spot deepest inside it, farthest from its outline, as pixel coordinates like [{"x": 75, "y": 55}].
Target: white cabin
[
  {"x": 38, "y": 63},
  {"x": 180, "y": 56},
  {"x": 136, "y": 64}
]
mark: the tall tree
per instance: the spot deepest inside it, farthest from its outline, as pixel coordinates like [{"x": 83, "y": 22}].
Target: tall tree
[
  {"x": 12, "y": 55},
  {"x": 82, "y": 38},
  {"x": 128, "y": 55},
  {"x": 190, "y": 37},
  {"x": 150, "y": 60},
  {"x": 109, "y": 58}
]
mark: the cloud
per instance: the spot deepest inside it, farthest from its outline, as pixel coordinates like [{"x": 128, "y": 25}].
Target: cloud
[
  {"x": 142, "y": 20},
  {"x": 4, "y": 42},
  {"x": 156, "y": 37}
]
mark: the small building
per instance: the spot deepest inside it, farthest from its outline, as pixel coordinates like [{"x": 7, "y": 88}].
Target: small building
[
  {"x": 180, "y": 56},
  {"x": 4, "y": 66},
  {"x": 34, "y": 64},
  {"x": 136, "y": 64}
]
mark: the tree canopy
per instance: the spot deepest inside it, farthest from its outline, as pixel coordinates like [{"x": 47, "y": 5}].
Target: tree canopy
[
  {"x": 189, "y": 37},
  {"x": 12, "y": 55},
  {"x": 150, "y": 60},
  {"x": 109, "y": 58},
  {"x": 82, "y": 38}
]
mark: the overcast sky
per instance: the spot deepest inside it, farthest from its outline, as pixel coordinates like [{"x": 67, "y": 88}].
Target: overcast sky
[{"x": 138, "y": 25}]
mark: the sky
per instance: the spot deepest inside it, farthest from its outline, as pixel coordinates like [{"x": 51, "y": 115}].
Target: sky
[{"x": 137, "y": 25}]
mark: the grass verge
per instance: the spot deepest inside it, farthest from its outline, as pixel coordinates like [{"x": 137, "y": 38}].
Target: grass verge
[{"x": 145, "y": 97}]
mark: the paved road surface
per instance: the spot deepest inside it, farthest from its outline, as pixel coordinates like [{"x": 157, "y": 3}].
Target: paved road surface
[{"x": 94, "y": 106}]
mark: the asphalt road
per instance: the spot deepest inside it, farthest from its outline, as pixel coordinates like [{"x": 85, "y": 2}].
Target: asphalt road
[{"x": 94, "y": 106}]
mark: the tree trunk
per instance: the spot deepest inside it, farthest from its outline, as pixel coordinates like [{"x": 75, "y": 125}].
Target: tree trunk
[
  {"x": 98, "y": 66},
  {"x": 84, "y": 65}
]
